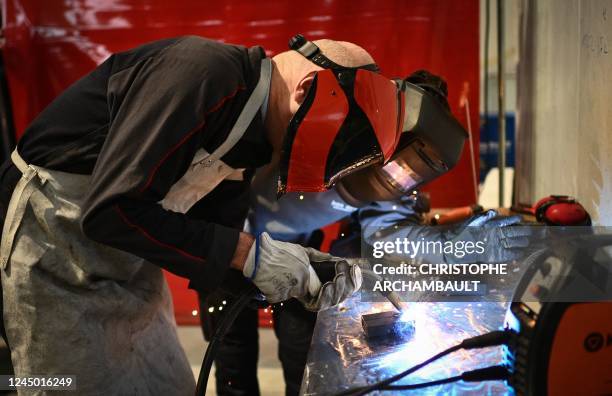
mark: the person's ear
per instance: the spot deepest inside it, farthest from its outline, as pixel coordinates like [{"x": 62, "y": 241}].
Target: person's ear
[{"x": 302, "y": 88}]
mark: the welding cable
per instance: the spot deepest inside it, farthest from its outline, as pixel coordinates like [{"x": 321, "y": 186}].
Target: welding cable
[
  {"x": 492, "y": 373},
  {"x": 493, "y": 338},
  {"x": 228, "y": 319}
]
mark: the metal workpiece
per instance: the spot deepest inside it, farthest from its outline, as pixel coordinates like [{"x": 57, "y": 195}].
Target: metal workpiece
[
  {"x": 386, "y": 325},
  {"x": 342, "y": 357}
]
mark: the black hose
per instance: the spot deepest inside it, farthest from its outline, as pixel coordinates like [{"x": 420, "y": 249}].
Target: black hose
[
  {"x": 381, "y": 384},
  {"x": 492, "y": 373},
  {"x": 422, "y": 385},
  {"x": 493, "y": 338},
  {"x": 228, "y": 319}
]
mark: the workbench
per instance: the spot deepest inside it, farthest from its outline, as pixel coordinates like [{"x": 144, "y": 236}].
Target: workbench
[{"x": 340, "y": 357}]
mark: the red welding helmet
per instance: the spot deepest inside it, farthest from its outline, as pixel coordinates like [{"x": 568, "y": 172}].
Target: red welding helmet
[
  {"x": 350, "y": 119},
  {"x": 378, "y": 138}
]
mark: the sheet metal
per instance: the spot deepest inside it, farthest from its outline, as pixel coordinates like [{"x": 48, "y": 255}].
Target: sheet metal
[{"x": 340, "y": 357}]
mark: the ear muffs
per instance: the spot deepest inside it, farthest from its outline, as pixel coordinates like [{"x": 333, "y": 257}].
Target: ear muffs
[{"x": 561, "y": 210}]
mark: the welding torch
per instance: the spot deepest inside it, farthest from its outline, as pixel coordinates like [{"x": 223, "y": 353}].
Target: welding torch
[{"x": 326, "y": 271}]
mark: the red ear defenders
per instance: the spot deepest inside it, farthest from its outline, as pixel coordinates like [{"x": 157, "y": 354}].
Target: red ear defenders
[{"x": 561, "y": 210}]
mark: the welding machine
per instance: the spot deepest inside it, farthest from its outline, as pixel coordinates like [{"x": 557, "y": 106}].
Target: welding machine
[{"x": 563, "y": 347}]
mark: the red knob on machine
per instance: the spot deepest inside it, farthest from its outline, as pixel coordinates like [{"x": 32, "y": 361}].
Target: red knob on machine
[{"x": 561, "y": 210}]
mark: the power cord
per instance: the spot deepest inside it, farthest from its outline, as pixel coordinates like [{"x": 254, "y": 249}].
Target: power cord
[
  {"x": 492, "y": 373},
  {"x": 242, "y": 301},
  {"x": 494, "y": 338}
]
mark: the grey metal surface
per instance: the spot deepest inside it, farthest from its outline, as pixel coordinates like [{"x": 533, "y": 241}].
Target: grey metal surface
[{"x": 340, "y": 357}]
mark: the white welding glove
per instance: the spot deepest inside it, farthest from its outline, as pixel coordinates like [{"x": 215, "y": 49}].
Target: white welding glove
[
  {"x": 347, "y": 280},
  {"x": 283, "y": 270}
]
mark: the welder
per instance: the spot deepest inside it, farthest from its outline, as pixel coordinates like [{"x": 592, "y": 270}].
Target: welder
[{"x": 145, "y": 164}]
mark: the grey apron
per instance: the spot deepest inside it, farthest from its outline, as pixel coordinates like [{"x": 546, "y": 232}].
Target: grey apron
[{"x": 76, "y": 307}]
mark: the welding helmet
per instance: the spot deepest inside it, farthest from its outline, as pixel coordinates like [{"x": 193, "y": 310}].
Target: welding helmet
[
  {"x": 350, "y": 119},
  {"x": 430, "y": 144},
  {"x": 373, "y": 137}
]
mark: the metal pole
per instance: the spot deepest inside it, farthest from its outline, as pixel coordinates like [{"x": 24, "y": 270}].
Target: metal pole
[{"x": 501, "y": 158}]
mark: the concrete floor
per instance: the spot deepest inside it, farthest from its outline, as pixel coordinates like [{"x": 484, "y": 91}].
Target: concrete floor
[{"x": 269, "y": 370}]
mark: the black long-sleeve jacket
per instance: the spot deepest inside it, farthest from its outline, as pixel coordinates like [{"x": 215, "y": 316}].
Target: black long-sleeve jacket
[{"x": 134, "y": 124}]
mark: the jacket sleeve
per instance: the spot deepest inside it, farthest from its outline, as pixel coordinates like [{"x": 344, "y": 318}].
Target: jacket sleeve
[{"x": 159, "y": 114}]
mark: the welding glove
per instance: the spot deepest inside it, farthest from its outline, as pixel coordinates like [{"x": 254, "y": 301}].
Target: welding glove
[
  {"x": 347, "y": 280},
  {"x": 283, "y": 270},
  {"x": 504, "y": 239}
]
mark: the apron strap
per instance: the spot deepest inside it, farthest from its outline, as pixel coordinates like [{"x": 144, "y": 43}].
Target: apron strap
[
  {"x": 19, "y": 162},
  {"x": 17, "y": 206},
  {"x": 251, "y": 108}
]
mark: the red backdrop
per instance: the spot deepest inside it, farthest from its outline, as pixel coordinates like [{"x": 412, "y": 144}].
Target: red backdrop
[{"x": 51, "y": 43}]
